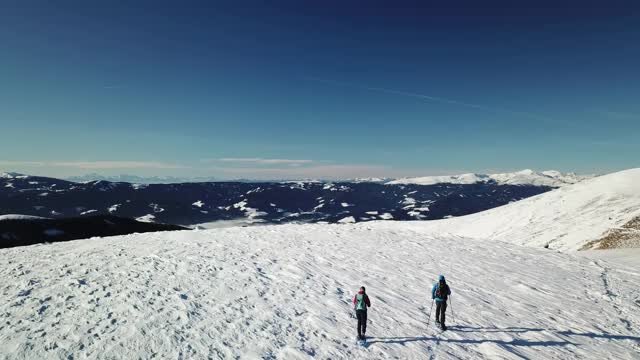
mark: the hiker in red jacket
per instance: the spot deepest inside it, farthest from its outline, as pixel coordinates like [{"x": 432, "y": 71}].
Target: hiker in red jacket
[{"x": 360, "y": 304}]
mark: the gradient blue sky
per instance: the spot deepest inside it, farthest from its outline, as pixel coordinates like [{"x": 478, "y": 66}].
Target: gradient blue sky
[{"x": 318, "y": 89}]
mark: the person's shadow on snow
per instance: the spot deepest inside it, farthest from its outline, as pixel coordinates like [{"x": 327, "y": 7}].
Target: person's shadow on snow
[{"x": 514, "y": 330}]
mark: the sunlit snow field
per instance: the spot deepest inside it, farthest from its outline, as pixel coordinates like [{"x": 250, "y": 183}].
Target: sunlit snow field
[{"x": 284, "y": 292}]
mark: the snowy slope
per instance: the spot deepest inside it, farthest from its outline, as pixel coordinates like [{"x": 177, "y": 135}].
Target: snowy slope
[
  {"x": 20, "y": 217},
  {"x": 564, "y": 219},
  {"x": 284, "y": 292},
  {"x": 525, "y": 177},
  {"x": 12, "y": 175}
]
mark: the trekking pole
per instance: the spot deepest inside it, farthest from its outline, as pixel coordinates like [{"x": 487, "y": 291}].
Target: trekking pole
[
  {"x": 453, "y": 314},
  {"x": 429, "y": 318}
]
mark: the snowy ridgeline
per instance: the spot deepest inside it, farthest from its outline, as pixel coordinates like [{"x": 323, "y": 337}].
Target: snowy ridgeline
[
  {"x": 565, "y": 219},
  {"x": 525, "y": 177},
  {"x": 284, "y": 292},
  {"x": 267, "y": 202}
]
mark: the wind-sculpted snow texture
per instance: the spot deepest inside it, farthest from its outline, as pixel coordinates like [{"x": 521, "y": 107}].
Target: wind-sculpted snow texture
[
  {"x": 275, "y": 202},
  {"x": 284, "y": 292}
]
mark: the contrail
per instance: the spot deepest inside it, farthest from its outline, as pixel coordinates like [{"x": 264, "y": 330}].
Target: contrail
[{"x": 431, "y": 98}]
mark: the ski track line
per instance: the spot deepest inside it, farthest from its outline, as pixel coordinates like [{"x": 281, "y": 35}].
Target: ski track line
[{"x": 613, "y": 297}]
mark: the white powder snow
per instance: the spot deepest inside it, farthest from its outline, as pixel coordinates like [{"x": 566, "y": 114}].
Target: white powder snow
[
  {"x": 13, "y": 175},
  {"x": 251, "y": 213},
  {"x": 416, "y": 214},
  {"x": 156, "y": 208},
  {"x": 329, "y": 186},
  {"x": 409, "y": 202},
  {"x": 149, "y": 218},
  {"x": 285, "y": 292},
  {"x": 240, "y": 205},
  {"x": 347, "y": 220}
]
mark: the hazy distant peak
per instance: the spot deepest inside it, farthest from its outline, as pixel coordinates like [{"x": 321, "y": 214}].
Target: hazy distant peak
[{"x": 551, "y": 178}]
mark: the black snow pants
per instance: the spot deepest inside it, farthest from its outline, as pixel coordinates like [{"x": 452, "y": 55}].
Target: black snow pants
[
  {"x": 441, "y": 308},
  {"x": 362, "y": 321}
]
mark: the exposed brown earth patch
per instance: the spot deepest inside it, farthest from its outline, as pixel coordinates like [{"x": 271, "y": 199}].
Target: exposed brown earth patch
[{"x": 627, "y": 236}]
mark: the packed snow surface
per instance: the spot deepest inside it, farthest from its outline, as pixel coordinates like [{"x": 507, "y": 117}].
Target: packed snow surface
[
  {"x": 284, "y": 292},
  {"x": 566, "y": 218},
  {"x": 524, "y": 177}
]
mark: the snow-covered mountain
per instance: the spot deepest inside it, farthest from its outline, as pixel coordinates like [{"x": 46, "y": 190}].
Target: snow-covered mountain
[
  {"x": 525, "y": 177},
  {"x": 20, "y": 217},
  {"x": 285, "y": 291},
  {"x": 267, "y": 202},
  {"x": 139, "y": 179},
  {"x": 550, "y": 178},
  {"x": 369, "y": 179},
  {"x": 12, "y": 175},
  {"x": 566, "y": 218}
]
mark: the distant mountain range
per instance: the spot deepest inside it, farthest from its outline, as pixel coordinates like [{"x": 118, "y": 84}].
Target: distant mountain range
[
  {"x": 525, "y": 177},
  {"x": 139, "y": 179},
  {"x": 271, "y": 202}
]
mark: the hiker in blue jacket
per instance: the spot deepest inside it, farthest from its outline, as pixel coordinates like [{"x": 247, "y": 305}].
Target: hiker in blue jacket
[{"x": 440, "y": 293}]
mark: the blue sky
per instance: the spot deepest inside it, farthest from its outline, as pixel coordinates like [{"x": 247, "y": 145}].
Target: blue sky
[{"x": 325, "y": 89}]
